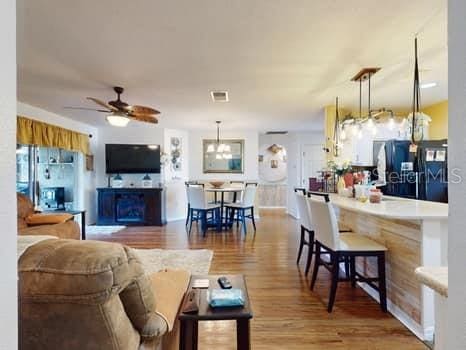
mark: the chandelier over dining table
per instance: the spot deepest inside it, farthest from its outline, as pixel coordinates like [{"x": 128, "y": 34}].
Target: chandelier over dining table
[{"x": 222, "y": 150}]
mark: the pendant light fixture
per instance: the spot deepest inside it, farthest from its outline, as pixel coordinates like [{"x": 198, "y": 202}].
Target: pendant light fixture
[
  {"x": 336, "y": 129},
  {"x": 416, "y": 98},
  {"x": 222, "y": 150}
]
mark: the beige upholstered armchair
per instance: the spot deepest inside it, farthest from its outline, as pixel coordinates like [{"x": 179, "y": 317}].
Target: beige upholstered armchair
[{"x": 90, "y": 295}]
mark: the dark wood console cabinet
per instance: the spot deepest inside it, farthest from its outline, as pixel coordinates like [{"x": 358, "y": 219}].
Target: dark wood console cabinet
[{"x": 131, "y": 206}]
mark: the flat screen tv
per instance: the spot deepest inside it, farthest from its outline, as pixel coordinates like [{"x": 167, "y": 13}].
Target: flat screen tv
[{"x": 132, "y": 159}]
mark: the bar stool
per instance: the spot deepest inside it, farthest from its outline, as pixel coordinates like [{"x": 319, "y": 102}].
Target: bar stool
[
  {"x": 306, "y": 227},
  {"x": 341, "y": 248}
]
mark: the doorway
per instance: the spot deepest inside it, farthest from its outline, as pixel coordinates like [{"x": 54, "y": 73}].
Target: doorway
[{"x": 312, "y": 161}]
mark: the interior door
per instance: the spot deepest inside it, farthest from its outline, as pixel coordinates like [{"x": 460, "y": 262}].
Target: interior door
[{"x": 313, "y": 160}]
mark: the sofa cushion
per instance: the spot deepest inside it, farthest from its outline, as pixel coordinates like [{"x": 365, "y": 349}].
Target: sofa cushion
[{"x": 47, "y": 219}]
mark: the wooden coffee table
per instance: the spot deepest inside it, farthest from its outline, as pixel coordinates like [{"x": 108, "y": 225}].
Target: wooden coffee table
[{"x": 242, "y": 315}]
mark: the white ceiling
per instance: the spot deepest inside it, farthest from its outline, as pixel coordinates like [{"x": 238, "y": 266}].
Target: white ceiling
[{"x": 280, "y": 60}]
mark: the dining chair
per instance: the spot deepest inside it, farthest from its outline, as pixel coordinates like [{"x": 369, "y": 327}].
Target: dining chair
[
  {"x": 305, "y": 223},
  {"x": 200, "y": 210},
  {"x": 342, "y": 247},
  {"x": 241, "y": 209},
  {"x": 236, "y": 197},
  {"x": 188, "y": 184}
]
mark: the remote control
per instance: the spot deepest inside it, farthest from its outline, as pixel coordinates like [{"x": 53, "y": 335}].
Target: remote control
[{"x": 224, "y": 282}]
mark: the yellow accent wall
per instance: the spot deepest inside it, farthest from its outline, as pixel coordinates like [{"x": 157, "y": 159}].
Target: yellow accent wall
[{"x": 438, "y": 128}]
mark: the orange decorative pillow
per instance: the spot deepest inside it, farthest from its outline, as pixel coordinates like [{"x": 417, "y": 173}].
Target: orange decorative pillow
[{"x": 47, "y": 219}]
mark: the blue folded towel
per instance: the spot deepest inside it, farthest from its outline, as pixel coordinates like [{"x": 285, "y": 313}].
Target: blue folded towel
[{"x": 225, "y": 297}]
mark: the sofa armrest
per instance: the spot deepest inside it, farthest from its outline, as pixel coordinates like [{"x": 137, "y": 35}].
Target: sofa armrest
[
  {"x": 67, "y": 230},
  {"x": 47, "y": 219},
  {"x": 169, "y": 288}
]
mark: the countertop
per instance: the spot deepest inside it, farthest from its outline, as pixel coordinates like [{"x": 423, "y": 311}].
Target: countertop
[
  {"x": 435, "y": 278},
  {"x": 394, "y": 208}
]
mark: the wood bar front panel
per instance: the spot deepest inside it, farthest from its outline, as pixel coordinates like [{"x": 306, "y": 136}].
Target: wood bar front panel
[{"x": 403, "y": 240}]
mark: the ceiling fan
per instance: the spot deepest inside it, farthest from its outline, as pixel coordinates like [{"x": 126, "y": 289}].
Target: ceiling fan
[{"x": 120, "y": 113}]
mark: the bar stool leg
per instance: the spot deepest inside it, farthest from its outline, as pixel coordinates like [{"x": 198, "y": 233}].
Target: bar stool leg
[
  {"x": 316, "y": 266},
  {"x": 382, "y": 281},
  {"x": 301, "y": 244},
  {"x": 310, "y": 252},
  {"x": 335, "y": 257}
]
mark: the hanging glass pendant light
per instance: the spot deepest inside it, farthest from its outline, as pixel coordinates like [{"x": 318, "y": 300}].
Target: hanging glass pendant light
[
  {"x": 417, "y": 120},
  {"x": 222, "y": 150}
]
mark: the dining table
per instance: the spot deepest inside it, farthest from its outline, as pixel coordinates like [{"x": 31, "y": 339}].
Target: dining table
[{"x": 222, "y": 190}]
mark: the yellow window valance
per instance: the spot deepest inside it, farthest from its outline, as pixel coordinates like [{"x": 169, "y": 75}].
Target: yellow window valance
[{"x": 33, "y": 132}]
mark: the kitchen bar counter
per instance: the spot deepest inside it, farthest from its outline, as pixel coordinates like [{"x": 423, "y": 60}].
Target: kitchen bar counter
[
  {"x": 416, "y": 234},
  {"x": 395, "y": 208}
]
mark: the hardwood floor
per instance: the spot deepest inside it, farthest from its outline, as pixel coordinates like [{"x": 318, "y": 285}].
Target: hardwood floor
[{"x": 287, "y": 315}]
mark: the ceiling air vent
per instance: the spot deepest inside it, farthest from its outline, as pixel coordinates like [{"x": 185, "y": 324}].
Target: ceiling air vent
[
  {"x": 219, "y": 96},
  {"x": 276, "y": 132}
]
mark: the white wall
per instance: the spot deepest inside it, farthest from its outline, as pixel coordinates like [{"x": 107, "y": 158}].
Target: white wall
[
  {"x": 85, "y": 179},
  {"x": 8, "y": 260},
  {"x": 176, "y": 200},
  {"x": 456, "y": 329},
  {"x": 251, "y": 151}
]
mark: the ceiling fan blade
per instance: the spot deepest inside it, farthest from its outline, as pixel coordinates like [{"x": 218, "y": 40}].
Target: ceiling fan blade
[
  {"x": 88, "y": 109},
  {"x": 139, "y": 110},
  {"x": 144, "y": 118},
  {"x": 102, "y": 103}
]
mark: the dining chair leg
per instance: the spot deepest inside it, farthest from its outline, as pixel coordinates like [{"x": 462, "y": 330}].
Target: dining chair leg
[
  {"x": 253, "y": 219},
  {"x": 219, "y": 219},
  {"x": 353, "y": 271},
  {"x": 243, "y": 220},
  {"x": 237, "y": 218},
  {"x": 203, "y": 214},
  {"x": 335, "y": 257},
  {"x": 301, "y": 244},
  {"x": 347, "y": 267},
  {"x": 316, "y": 265},
  {"x": 231, "y": 217},
  {"x": 382, "y": 282},
  {"x": 187, "y": 216},
  {"x": 310, "y": 251},
  {"x": 190, "y": 221}
]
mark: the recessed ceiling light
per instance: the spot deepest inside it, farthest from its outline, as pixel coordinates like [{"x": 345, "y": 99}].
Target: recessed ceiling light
[{"x": 428, "y": 85}]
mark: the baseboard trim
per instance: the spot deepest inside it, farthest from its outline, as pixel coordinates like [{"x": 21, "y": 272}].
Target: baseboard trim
[
  {"x": 271, "y": 207},
  {"x": 408, "y": 322}
]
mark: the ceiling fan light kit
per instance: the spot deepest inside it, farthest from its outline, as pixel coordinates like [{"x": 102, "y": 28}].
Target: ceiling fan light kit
[
  {"x": 117, "y": 119},
  {"x": 120, "y": 113}
]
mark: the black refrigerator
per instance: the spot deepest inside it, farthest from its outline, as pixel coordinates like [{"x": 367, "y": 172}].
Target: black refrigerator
[
  {"x": 433, "y": 170},
  {"x": 401, "y": 172},
  {"x": 419, "y": 175}
]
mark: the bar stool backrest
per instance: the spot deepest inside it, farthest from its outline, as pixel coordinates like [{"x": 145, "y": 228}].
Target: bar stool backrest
[
  {"x": 305, "y": 219},
  {"x": 325, "y": 223},
  {"x": 249, "y": 196},
  {"x": 197, "y": 197}
]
